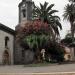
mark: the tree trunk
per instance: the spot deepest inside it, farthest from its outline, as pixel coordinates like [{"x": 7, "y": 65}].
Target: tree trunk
[
  {"x": 72, "y": 32},
  {"x": 38, "y": 55}
]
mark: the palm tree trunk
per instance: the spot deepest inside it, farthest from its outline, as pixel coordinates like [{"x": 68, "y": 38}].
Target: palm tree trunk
[
  {"x": 38, "y": 58},
  {"x": 72, "y": 31}
]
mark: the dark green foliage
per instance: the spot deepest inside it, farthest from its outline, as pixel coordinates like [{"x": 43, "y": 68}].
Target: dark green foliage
[
  {"x": 66, "y": 41},
  {"x": 56, "y": 52}
]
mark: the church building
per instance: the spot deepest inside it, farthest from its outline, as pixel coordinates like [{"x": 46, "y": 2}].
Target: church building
[
  {"x": 6, "y": 45},
  {"x": 10, "y": 51}
]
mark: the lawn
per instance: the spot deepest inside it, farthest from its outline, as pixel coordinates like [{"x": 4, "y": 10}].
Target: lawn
[{"x": 39, "y": 64}]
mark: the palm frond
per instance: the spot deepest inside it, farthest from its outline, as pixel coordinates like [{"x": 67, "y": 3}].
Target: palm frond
[
  {"x": 59, "y": 24},
  {"x": 71, "y": 0},
  {"x": 52, "y": 12},
  {"x": 49, "y": 7},
  {"x": 55, "y": 17},
  {"x": 45, "y": 5},
  {"x": 41, "y": 6},
  {"x": 55, "y": 28}
]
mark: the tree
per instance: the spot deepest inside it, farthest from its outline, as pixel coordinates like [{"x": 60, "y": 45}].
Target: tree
[
  {"x": 46, "y": 14},
  {"x": 36, "y": 43},
  {"x": 69, "y": 14},
  {"x": 71, "y": 0},
  {"x": 67, "y": 40},
  {"x": 55, "y": 51},
  {"x": 37, "y": 33},
  {"x": 34, "y": 35}
]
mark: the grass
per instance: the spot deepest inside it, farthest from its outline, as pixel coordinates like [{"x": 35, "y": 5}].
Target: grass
[{"x": 38, "y": 65}]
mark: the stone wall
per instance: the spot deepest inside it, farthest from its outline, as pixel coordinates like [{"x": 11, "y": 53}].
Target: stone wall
[{"x": 17, "y": 53}]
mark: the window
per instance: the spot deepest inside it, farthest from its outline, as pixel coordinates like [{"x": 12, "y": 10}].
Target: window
[
  {"x": 24, "y": 12},
  {"x": 23, "y": 55},
  {"x": 6, "y": 41}
]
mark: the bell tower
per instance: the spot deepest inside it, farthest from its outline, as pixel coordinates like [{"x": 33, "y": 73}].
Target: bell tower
[
  {"x": 25, "y": 14},
  {"x": 25, "y": 10}
]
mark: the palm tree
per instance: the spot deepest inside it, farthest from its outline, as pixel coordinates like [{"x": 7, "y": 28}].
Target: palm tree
[
  {"x": 36, "y": 41},
  {"x": 69, "y": 14},
  {"x": 71, "y": 0},
  {"x": 46, "y": 14}
]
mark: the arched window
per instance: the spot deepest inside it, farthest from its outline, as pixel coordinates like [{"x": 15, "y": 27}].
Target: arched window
[
  {"x": 24, "y": 12},
  {"x": 6, "y": 41}
]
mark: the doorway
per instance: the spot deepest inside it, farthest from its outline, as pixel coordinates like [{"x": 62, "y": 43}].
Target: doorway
[{"x": 6, "y": 57}]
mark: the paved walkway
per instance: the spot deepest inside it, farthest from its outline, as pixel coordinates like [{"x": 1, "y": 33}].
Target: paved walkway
[{"x": 45, "y": 69}]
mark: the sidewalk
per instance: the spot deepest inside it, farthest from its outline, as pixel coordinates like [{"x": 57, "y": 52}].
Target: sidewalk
[
  {"x": 20, "y": 69},
  {"x": 56, "y": 73}
]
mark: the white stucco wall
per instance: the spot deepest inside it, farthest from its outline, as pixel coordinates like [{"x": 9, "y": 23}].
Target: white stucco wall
[{"x": 10, "y": 45}]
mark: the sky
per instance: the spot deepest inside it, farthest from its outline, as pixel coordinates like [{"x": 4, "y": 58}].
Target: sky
[{"x": 9, "y": 13}]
